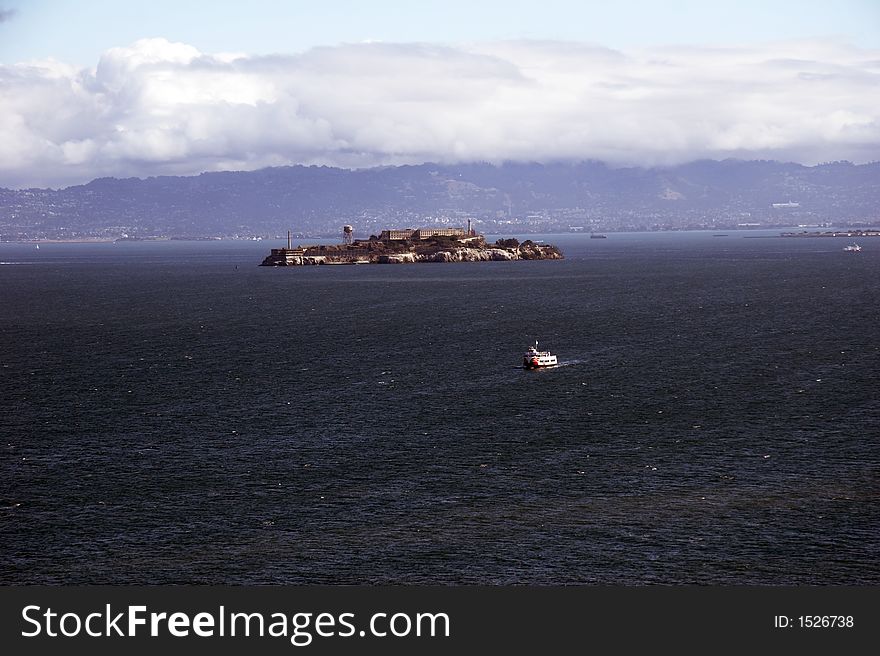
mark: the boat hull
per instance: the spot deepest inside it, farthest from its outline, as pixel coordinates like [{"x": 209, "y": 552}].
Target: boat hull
[{"x": 539, "y": 362}]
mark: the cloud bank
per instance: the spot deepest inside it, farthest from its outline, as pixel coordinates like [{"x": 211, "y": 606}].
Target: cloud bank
[{"x": 158, "y": 107}]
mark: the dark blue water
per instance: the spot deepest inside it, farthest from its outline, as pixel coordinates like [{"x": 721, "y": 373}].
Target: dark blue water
[{"x": 174, "y": 413}]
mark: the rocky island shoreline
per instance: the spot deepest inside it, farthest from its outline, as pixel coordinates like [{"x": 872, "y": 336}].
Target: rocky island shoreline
[{"x": 413, "y": 246}]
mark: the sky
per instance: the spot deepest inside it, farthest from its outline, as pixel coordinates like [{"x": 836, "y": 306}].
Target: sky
[{"x": 103, "y": 88}]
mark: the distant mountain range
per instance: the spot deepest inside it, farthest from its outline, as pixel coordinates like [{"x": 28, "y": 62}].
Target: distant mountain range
[{"x": 312, "y": 200}]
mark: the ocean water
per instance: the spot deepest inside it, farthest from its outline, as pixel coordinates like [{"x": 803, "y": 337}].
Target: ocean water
[{"x": 173, "y": 413}]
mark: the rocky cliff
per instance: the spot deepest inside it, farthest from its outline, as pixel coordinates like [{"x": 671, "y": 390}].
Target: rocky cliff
[{"x": 473, "y": 249}]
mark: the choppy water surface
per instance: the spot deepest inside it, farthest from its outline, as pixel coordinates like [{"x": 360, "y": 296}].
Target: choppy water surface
[{"x": 174, "y": 413}]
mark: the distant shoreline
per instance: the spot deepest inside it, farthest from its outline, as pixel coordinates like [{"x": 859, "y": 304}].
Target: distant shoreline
[
  {"x": 834, "y": 233},
  {"x": 60, "y": 241},
  {"x": 871, "y": 231},
  {"x": 113, "y": 240}
]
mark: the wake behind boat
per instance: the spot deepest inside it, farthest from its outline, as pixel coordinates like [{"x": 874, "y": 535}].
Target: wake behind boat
[{"x": 534, "y": 359}]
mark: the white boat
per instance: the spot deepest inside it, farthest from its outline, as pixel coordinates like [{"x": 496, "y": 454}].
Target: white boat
[
  {"x": 534, "y": 359},
  {"x": 852, "y": 248}
]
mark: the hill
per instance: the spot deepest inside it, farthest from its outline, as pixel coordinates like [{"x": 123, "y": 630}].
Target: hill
[{"x": 313, "y": 200}]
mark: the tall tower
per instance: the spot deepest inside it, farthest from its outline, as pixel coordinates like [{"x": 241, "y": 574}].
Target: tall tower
[{"x": 347, "y": 234}]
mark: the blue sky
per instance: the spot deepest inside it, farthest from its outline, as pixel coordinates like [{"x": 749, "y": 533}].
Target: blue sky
[
  {"x": 79, "y": 31},
  {"x": 92, "y": 88}
]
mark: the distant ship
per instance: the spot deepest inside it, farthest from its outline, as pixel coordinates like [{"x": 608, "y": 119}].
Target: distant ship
[
  {"x": 594, "y": 235},
  {"x": 533, "y": 358},
  {"x": 852, "y": 248}
]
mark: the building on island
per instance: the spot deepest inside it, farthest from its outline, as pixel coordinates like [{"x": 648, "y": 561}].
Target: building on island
[
  {"x": 396, "y": 235},
  {"x": 421, "y": 234}
]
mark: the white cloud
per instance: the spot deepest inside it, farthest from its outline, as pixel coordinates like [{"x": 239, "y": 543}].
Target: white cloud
[{"x": 159, "y": 107}]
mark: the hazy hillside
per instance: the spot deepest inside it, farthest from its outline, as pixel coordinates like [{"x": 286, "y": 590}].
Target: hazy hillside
[{"x": 317, "y": 200}]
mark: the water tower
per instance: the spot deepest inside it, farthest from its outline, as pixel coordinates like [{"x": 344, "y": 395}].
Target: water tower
[{"x": 347, "y": 234}]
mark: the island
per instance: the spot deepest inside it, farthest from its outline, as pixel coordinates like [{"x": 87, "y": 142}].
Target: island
[{"x": 412, "y": 245}]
